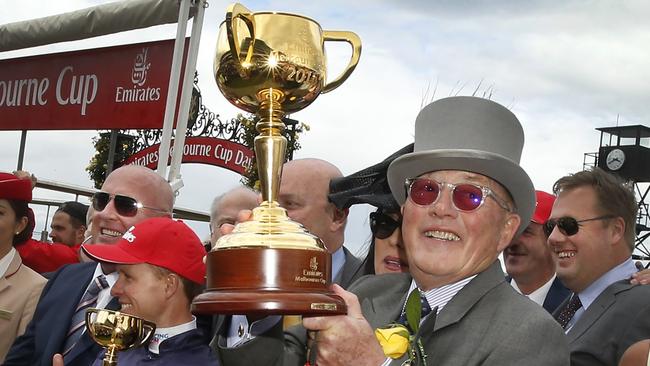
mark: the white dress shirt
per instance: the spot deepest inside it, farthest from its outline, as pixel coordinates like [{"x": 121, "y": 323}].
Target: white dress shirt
[{"x": 538, "y": 295}]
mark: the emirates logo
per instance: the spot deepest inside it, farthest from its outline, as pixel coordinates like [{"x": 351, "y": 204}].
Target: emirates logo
[
  {"x": 313, "y": 264},
  {"x": 140, "y": 68}
]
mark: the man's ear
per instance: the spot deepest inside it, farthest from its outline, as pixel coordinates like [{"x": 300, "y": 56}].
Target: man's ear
[
  {"x": 80, "y": 233},
  {"x": 510, "y": 226},
  {"x": 339, "y": 217},
  {"x": 172, "y": 285},
  {"x": 617, "y": 230}
]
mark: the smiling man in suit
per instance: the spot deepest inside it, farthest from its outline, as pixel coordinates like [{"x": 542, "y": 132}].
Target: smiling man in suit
[
  {"x": 591, "y": 232},
  {"x": 129, "y": 195}
]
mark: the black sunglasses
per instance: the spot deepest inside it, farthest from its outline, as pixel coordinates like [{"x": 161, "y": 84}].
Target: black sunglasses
[
  {"x": 124, "y": 205},
  {"x": 568, "y": 225},
  {"x": 382, "y": 225}
]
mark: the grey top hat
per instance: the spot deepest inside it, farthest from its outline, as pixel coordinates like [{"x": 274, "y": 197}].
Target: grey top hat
[{"x": 470, "y": 134}]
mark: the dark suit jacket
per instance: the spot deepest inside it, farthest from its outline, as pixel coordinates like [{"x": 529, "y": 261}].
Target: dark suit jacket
[
  {"x": 486, "y": 323},
  {"x": 46, "y": 332},
  {"x": 555, "y": 296},
  {"x": 618, "y": 318}
]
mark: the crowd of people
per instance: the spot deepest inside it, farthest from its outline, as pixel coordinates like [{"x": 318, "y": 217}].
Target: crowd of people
[{"x": 430, "y": 290}]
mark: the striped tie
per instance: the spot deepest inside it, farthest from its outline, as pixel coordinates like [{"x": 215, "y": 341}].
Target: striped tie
[{"x": 88, "y": 300}]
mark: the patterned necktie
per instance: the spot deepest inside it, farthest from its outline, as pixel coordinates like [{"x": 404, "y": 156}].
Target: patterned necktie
[
  {"x": 88, "y": 300},
  {"x": 425, "y": 308},
  {"x": 567, "y": 312}
]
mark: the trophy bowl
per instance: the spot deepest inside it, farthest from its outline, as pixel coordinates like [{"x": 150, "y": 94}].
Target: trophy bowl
[
  {"x": 116, "y": 331},
  {"x": 271, "y": 64}
]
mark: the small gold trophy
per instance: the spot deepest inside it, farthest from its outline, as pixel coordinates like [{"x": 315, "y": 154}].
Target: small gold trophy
[
  {"x": 116, "y": 331},
  {"x": 270, "y": 64}
]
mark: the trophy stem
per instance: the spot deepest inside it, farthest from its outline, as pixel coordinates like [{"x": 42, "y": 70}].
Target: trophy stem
[
  {"x": 270, "y": 145},
  {"x": 110, "y": 358}
]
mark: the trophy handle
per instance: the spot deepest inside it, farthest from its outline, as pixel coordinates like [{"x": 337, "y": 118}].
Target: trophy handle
[
  {"x": 355, "y": 42},
  {"x": 89, "y": 323},
  {"x": 150, "y": 329},
  {"x": 240, "y": 11}
]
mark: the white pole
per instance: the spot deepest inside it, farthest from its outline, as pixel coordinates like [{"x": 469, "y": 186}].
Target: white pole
[
  {"x": 172, "y": 90},
  {"x": 174, "y": 177}
]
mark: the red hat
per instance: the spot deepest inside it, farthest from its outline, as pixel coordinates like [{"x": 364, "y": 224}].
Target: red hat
[
  {"x": 543, "y": 206},
  {"x": 14, "y": 188},
  {"x": 159, "y": 241}
]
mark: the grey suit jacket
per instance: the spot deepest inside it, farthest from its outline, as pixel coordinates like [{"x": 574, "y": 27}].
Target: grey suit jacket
[
  {"x": 486, "y": 323},
  {"x": 619, "y": 317}
]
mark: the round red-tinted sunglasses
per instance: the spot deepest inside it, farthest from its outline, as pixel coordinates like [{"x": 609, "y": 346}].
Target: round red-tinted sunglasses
[{"x": 465, "y": 197}]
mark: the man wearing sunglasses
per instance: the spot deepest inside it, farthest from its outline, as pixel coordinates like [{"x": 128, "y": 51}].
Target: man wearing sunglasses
[
  {"x": 463, "y": 197},
  {"x": 129, "y": 195},
  {"x": 591, "y": 233}
]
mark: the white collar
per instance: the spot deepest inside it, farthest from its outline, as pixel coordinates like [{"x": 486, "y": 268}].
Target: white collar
[
  {"x": 538, "y": 295},
  {"x": 163, "y": 334}
]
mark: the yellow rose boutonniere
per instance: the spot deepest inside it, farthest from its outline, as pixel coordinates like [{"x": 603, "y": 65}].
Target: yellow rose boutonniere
[
  {"x": 398, "y": 339},
  {"x": 394, "y": 340}
]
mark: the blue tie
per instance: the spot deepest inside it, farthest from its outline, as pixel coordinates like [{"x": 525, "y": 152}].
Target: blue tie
[{"x": 88, "y": 300}]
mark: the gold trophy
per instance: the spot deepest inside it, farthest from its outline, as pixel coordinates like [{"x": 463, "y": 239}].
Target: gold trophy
[
  {"x": 271, "y": 64},
  {"x": 116, "y": 331}
]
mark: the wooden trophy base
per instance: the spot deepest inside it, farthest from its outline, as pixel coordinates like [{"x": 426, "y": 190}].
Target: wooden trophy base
[{"x": 268, "y": 281}]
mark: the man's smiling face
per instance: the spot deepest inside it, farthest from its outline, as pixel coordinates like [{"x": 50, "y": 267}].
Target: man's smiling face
[{"x": 143, "y": 186}]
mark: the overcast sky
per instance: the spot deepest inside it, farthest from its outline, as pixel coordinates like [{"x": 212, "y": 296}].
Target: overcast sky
[{"x": 563, "y": 67}]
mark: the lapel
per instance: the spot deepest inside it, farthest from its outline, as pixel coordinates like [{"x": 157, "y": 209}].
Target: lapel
[
  {"x": 556, "y": 296},
  {"x": 606, "y": 299},
  {"x": 465, "y": 299},
  {"x": 384, "y": 305},
  {"x": 14, "y": 266},
  {"x": 350, "y": 271},
  {"x": 85, "y": 342}
]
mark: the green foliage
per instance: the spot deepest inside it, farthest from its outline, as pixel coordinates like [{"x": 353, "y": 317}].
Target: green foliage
[{"x": 99, "y": 162}]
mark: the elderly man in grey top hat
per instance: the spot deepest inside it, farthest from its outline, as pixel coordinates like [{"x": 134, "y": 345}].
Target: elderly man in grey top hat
[{"x": 463, "y": 197}]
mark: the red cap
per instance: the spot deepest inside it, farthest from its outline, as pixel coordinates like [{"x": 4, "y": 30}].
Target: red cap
[
  {"x": 14, "y": 188},
  {"x": 543, "y": 206},
  {"x": 160, "y": 241}
]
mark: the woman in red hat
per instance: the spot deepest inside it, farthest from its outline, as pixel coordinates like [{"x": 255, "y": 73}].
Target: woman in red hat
[{"x": 20, "y": 286}]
